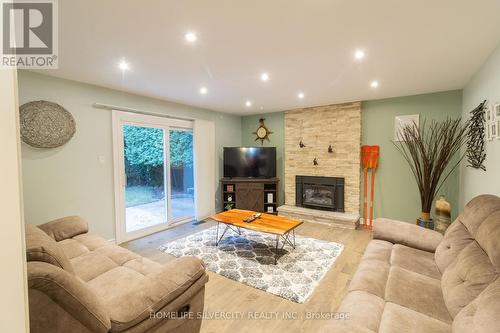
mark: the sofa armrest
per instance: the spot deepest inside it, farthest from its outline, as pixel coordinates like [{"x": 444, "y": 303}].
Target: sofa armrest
[
  {"x": 182, "y": 276},
  {"x": 68, "y": 292},
  {"x": 66, "y": 227},
  {"x": 408, "y": 234}
]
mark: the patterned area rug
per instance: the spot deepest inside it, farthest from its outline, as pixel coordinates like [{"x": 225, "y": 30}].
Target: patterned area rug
[{"x": 249, "y": 259}]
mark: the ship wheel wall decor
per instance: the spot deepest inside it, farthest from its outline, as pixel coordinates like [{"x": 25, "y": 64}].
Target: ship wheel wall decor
[{"x": 262, "y": 132}]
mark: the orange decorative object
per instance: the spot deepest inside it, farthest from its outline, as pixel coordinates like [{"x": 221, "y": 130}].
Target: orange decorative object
[{"x": 369, "y": 161}]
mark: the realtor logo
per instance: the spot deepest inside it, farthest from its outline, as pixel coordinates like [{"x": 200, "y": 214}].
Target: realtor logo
[{"x": 29, "y": 34}]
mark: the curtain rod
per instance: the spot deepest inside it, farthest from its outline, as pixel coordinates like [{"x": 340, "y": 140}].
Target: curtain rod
[{"x": 127, "y": 109}]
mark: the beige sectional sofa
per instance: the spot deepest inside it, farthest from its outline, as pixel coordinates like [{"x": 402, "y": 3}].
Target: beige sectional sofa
[
  {"x": 414, "y": 280},
  {"x": 79, "y": 282}
]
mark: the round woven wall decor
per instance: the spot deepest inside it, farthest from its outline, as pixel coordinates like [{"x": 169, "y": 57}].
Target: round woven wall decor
[{"x": 46, "y": 124}]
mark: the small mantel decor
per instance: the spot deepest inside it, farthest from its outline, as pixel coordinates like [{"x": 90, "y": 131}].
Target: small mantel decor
[
  {"x": 45, "y": 124},
  {"x": 428, "y": 151}
]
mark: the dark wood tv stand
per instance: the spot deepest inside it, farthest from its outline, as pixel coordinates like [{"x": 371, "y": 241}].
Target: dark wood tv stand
[{"x": 257, "y": 194}]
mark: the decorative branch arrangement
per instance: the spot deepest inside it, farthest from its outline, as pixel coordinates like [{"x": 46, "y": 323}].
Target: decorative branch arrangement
[
  {"x": 428, "y": 151},
  {"x": 475, "y": 143}
]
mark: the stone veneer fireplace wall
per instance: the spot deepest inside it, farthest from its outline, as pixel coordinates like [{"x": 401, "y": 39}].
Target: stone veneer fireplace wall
[{"x": 319, "y": 127}]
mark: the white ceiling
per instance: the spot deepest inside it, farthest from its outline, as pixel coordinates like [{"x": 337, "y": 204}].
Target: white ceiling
[{"x": 411, "y": 47}]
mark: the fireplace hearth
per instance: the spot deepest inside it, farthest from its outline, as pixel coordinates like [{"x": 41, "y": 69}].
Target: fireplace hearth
[{"x": 326, "y": 193}]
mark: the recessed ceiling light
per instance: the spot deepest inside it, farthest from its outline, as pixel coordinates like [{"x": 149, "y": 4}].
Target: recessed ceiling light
[
  {"x": 203, "y": 90},
  {"x": 301, "y": 95},
  {"x": 264, "y": 77},
  {"x": 374, "y": 84},
  {"x": 248, "y": 104},
  {"x": 359, "y": 54},
  {"x": 124, "y": 66},
  {"x": 191, "y": 37}
]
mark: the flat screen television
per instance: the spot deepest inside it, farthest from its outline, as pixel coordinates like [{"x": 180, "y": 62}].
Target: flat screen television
[{"x": 250, "y": 162}]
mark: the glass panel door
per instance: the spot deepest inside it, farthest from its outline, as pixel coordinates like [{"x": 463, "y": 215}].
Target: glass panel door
[
  {"x": 181, "y": 174},
  {"x": 153, "y": 161},
  {"x": 145, "y": 181}
]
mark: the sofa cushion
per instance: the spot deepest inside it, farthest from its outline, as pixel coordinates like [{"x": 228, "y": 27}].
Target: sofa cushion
[
  {"x": 92, "y": 257},
  {"x": 415, "y": 260},
  {"x": 466, "y": 277},
  {"x": 378, "y": 250},
  {"x": 67, "y": 291},
  {"x": 143, "y": 266},
  {"x": 65, "y": 227},
  {"x": 90, "y": 265},
  {"x": 364, "y": 308},
  {"x": 371, "y": 277},
  {"x": 481, "y": 315},
  {"x": 116, "y": 282},
  {"x": 463, "y": 231},
  {"x": 397, "y": 319},
  {"x": 91, "y": 242},
  {"x": 118, "y": 254},
  {"x": 373, "y": 271},
  {"x": 417, "y": 292},
  {"x": 371, "y": 274},
  {"x": 456, "y": 238},
  {"x": 403, "y": 233},
  {"x": 399, "y": 274},
  {"x": 40, "y": 247},
  {"x": 488, "y": 236},
  {"x": 73, "y": 248},
  {"x": 132, "y": 297},
  {"x": 477, "y": 210},
  {"x": 130, "y": 286},
  {"x": 337, "y": 326}
]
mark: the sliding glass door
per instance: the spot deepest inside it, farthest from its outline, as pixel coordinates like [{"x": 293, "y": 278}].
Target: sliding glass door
[
  {"x": 145, "y": 182},
  {"x": 154, "y": 185},
  {"x": 181, "y": 173}
]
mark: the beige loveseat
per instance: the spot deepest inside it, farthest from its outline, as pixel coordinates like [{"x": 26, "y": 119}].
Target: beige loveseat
[
  {"x": 79, "y": 282},
  {"x": 414, "y": 280}
]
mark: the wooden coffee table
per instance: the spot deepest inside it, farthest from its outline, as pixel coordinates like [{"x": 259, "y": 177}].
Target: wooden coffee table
[{"x": 282, "y": 227}]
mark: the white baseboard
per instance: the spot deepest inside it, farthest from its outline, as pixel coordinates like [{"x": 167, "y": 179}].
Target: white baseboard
[{"x": 112, "y": 241}]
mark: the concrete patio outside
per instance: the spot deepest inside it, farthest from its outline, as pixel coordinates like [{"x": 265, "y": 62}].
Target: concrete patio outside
[{"x": 153, "y": 213}]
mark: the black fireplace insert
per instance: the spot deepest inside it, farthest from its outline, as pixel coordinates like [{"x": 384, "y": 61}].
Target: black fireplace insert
[{"x": 325, "y": 193}]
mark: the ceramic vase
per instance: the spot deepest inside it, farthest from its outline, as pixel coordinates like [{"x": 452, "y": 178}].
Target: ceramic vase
[
  {"x": 425, "y": 221},
  {"x": 443, "y": 214}
]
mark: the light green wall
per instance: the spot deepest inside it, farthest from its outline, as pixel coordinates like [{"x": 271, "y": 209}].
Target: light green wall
[
  {"x": 276, "y": 124},
  {"x": 396, "y": 193},
  {"x": 484, "y": 85},
  {"x": 70, "y": 180}
]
